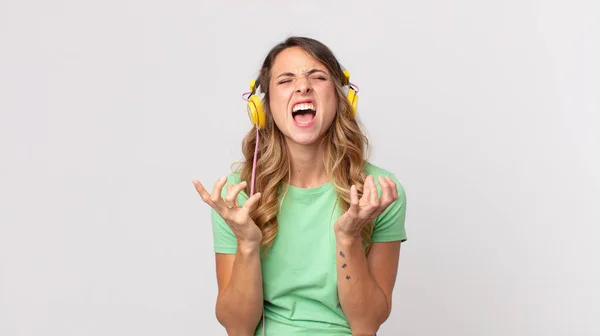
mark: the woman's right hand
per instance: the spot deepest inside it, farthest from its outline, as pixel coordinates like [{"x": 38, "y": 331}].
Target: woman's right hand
[{"x": 238, "y": 218}]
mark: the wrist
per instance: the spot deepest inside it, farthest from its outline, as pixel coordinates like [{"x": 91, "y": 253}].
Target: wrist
[
  {"x": 347, "y": 239},
  {"x": 248, "y": 247}
]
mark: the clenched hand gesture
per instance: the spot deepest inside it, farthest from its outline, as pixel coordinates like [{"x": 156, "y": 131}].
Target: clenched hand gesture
[{"x": 367, "y": 208}]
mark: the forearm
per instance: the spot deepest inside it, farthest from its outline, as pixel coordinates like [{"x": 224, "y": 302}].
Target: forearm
[
  {"x": 239, "y": 307},
  {"x": 362, "y": 301}
]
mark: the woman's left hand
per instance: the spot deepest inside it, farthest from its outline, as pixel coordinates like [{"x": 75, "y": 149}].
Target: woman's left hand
[{"x": 367, "y": 208}]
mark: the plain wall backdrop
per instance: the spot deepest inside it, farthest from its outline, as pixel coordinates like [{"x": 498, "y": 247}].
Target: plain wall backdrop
[{"x": 488, "y": 112}]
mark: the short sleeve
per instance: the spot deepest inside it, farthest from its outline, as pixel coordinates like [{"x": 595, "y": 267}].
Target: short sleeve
[
  {"x": 224, "y": 240},
  {"x": 389, "y": 226}
]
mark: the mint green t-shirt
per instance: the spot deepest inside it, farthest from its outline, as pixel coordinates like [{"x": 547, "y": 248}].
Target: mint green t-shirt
[{"x": 299, "y": 271}]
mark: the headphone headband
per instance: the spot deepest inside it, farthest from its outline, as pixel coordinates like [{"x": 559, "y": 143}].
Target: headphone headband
[
  {"x": 346, "y": 78},
  {"x": 253, "y": 86}
]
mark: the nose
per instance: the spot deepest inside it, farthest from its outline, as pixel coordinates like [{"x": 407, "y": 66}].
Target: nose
[{"x": 303, "y": 85}]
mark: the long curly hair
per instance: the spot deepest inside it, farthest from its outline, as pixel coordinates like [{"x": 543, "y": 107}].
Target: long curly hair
[{"x": 346, "y": 147}]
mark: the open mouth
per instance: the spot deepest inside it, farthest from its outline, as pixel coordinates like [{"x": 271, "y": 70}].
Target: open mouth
[{"x": 304, "y": 113}]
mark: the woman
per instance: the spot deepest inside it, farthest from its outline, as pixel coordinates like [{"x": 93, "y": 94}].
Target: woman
[{"x": 316, "y": 247}]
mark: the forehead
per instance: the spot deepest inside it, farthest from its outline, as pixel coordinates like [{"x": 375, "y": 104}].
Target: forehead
[{"x": 295, "y": 60}]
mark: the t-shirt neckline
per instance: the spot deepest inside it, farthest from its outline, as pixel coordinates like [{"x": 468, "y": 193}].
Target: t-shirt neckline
[{"x": 293, "y": 190}]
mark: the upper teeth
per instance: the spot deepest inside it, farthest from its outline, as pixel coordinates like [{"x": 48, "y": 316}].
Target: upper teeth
[{"x": 304, "y": 106}]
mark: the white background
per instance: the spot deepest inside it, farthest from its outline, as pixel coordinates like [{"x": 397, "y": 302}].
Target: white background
[{"x": 487, "y": 111}]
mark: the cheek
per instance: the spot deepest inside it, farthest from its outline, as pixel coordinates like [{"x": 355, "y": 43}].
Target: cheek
[
  {"x": 331, "y": 104},
  {"x": 278, "y": 104}
]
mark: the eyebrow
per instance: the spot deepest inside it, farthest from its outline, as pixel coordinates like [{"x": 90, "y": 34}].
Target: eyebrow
[{"x": 310, "y": 72}]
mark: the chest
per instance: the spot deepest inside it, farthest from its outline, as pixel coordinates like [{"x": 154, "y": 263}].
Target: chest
[{"x": 302, "y": 259}]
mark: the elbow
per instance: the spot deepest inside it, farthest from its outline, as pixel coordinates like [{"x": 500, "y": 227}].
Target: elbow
[
  {"x": 385, "y": 315},
  {"x": 236, "y": 325},
  {"x": 369, "y": 327},
  {"x": 220, "y": 313},
  {"x": 221, "y": 318},
  {"x": 239, "y": 332},
  {"x": 366, "y": 328},
  {"x": 384, "y": 312},
  {"x": 365, "y": 331}
]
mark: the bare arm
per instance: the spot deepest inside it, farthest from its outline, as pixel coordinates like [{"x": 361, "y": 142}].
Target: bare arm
[
  {"x": 365, "y": 283},
  {"x": 240, "y": 300},
  {"x": 239, "y": 276}
]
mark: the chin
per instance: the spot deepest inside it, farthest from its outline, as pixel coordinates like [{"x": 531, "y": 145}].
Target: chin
[{"x": 305, "y": 137}]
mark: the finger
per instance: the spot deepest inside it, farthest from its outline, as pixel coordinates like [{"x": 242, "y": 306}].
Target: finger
[
  {"x": 251, "y": 203},
  {"x": 216, "y": 193},
  {"x": 394, "y": 188},
  {"x": 232, "y": 193},
  {"x": 386, "y": 191},
  {"x": 227, "y": 202},
  {"x": 384, "y": 188},
  {"x": 366, "y": 190},
  {"x": 374, "y": 196},
  {"x": 353, "y": 200},
  {"x": 353, "y": 195},
  {"x": 203, "y": 193}
]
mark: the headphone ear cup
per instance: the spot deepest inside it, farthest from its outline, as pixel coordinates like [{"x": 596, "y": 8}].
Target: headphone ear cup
[
  {"x": 353, "y": 100},
  {"x": 256, "y": 112}
]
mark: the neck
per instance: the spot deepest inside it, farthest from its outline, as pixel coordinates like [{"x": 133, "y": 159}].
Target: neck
[{"x": 307, "y": 165}]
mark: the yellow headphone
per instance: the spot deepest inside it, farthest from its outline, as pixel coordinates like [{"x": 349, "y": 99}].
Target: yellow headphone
[
  {"x": 256, "y": 111},
  {"x": 352, "y": 94}
]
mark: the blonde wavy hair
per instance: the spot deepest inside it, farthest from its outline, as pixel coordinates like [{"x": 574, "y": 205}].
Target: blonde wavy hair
[{"x": 346, "y": 147}]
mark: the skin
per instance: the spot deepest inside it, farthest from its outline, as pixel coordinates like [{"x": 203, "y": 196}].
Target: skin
[
  {"x": 297, "y": 76},
  {"x": 239, "y": 277},
  {"x": 365, "y": 283}
]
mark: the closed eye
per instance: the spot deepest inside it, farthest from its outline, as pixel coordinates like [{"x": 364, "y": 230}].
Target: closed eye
[{"x": 320, "y": 77}]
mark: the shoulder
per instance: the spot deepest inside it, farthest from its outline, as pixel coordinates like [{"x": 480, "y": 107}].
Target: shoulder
[{"x": 371, "y": 169}]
